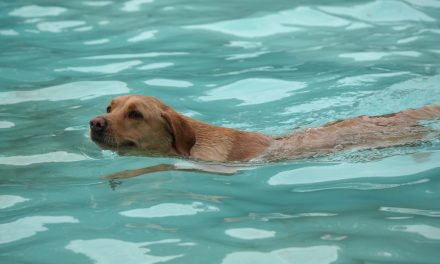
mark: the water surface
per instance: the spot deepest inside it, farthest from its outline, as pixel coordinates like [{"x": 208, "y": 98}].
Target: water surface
[{"x": 251, "y": 65}]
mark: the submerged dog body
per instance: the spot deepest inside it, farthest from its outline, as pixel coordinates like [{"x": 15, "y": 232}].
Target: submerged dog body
[{"x": 143, "y": 125}]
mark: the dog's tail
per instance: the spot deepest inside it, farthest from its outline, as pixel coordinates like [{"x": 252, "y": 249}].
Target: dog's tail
[{"x": 425, "y": 113}]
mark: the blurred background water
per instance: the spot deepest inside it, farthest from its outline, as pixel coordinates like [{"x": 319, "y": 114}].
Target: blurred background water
[{"x": 266, "y": 66}]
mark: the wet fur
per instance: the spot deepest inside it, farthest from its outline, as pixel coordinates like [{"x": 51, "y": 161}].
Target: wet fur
[{"x": 163, "y": 131}]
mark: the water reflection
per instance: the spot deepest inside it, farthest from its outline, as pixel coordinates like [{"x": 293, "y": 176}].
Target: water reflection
[
  {"x": 425, "y": 3},
  {"x": 348, "y": 99},
  {"x": 407, "y": 40},
  {"x": 323, "y": 16},
  {"x": 97, "y": 3},
  {"x": 82, "y": 29},
  {"x": 244, "y": 44},
  {"x": 390, "y": 167},
  {"x": 246, "y": 55},
  {"x": 37, "y": 11},
  {"x": 377, "y": 55},
  {"x": 282, "y": 22},
  {"x": 135, "y": 55},
  {"x": 427, "y": 231},
  {"x": 8, "y": 32},
  {"x": 157, "y": 65},
  {"x": 108, "y": 251},
  {"x": 57, "y": 156},
  {"x": 143, "y": 36},
  {"x": 366, "y": 79},
  {"x": 249, "y": 233},
  {"x": 170, "y": 209},
  {"x": 59, "y": 26},
  {"x": 254, "y": 91},
  {"x": 418, "y": 92},
  {"x": 364, "y": 186},
  {"x": 311, "y": 64},
  {"x": 310, "y": 255},
  {"x": 169, "y": 83},
  {"x": 267, "y": 217},
  {"x": 411, "y": 211},
  {"x": 6, "y": 124},
  {"x": 83, "y": 90},
  {"x": 135, "y": 5},
  {"x": 107, "y": 68},
  {"x": 381, "y": 11},
  {"x": 11, "y": 200},
  {"x": 97, "y": 41},
  {"x": 29, "y": 226}
]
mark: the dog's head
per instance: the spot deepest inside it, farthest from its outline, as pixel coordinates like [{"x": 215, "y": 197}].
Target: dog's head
[{"x": 142, "y": 125}]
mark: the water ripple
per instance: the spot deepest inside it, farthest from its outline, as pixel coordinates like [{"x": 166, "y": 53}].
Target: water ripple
[
  {"x": 170, "y": 209},
  {"x": 168, "y": 83},
  {"x": 135, "y": 55},
  {"x": 143, "y": 36},
  {"x": 254, "y": 91},
  {"x": 381, "y": 11},
  {"x": 83, "y": 90},
  {"x": 8, "y": 32},
  {"x": 410, "y": 211},
  {"x": 29, "y": 226},
  {"x": 108, "y": 251},
  {"x": 37, "y": 11},
  {"x": 11, "y": 200},
  {"x": 282, "y": 22},
  {"x": 427, "y": 231},
  {"x": 107, "y": 68},
  {"x": 154, "y": 66},
  {"x": 418, "y": 92},
  {"x": 365, "y": 79},
  {"x": 246, "y": 55},
  {"x": 266, "y": 217},
  {"x": 310, "y": 255},
  {"x": 97, "y": 3},
  {"x": 425, "y": 3},
  {"x": 254, "y": 65},
  {"x": 249, "y": 233},
  {"x": 377, "y": 55},
  {"x": 6, "y": 124},
  {"x": 59, "y": 26},
  {"x": 390, "y": 167},
  {"x": 244, "y": 44},
  {"x": 96, "y": 41},
  {"x": 57, "y": 156},
  {"x": 135, "y": 5},
  {"x": 364, "y": 186}
]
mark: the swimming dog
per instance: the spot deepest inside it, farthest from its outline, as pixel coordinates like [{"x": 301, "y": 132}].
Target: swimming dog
[{"x": 143, "y": 125}]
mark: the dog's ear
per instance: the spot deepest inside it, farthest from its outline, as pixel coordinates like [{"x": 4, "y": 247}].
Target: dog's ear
[{"x": 184, "y": 136}]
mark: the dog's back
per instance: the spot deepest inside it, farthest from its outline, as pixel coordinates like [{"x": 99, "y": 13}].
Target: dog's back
[
  {"x": 363, "y": 132},
  {"x": 145, "y": 125},
  {"x": 424, "y": 113}
]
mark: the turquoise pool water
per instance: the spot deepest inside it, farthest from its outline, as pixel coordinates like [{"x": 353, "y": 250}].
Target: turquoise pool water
[{"x": 266, "y": 66}]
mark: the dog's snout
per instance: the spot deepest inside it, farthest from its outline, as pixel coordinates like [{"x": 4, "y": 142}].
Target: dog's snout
[{"x": 98, "y": 124}]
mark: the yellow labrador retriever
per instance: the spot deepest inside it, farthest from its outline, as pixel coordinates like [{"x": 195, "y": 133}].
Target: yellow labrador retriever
[{"x": 142, "y": 125}]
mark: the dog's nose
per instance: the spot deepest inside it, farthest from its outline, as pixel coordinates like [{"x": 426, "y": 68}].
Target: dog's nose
[{"x": 98, "y": 124}]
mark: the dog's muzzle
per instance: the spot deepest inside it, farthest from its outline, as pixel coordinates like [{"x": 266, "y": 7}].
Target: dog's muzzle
[{"x": 98, "y": 125}]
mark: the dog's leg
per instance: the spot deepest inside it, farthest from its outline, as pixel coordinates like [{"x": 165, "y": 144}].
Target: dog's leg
[{"x": 204, "y": 168}]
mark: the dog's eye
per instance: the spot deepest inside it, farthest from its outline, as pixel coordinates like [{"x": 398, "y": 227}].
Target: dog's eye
[
  {"x": 135, "y": 115},
  {"x": 109, "y": 109}
]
